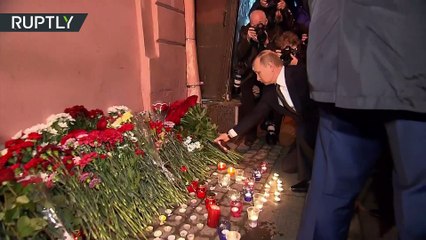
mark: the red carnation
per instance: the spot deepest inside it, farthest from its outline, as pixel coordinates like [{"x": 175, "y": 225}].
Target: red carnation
[
  {"x": 102, "y": 123},
  {"x": 6, "y": 175},
  {"x": 34, "y": 136},
  {"x": 184, "y": 169},
  {"x": 126, "y": 127},
  {"x": 33, "y": 163},
  {"x": 95, "y": 113}
]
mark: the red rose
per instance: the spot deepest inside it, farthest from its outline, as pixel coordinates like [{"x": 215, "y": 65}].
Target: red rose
[
  {"x": 184, "y": 169},
  {"x": 140, "y": 152}
]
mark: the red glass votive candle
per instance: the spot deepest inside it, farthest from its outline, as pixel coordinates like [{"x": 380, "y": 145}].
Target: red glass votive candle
[
  {"x": 213, "y": 216},
  {"x": 236, "y": 208},
  {"x": 210, "y": 199},
  {"x": 201, "y": 191},
  {"x": 221, "y": 166}
]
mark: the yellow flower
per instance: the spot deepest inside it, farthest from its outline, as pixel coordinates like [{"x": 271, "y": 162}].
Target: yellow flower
[{"x": 124, "y": 118}]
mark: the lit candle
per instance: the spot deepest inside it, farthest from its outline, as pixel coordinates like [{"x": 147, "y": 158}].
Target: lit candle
[
  {"x": 279, "y": 181},
  {"x": 266, "y": 194},
  {"x": 253, "y": 215},
  {"x": 277, "y": 199},
  {"x": 236, "y": 208},
  {"x": 162, "y": 219},
  {"x": 257, "y": 175},
  {"x": 263, "y": 167},
  {"x": 248, "y": 196},
  {"x": 280, "y": 189},
  {"x": 231, "y": 171},
  {"x": 233, "y": 235},
  {"x": 267, "y": 186},
  {"x": 158, "y": 233},
  {"x": 213, "y": 216},
  {"x": 277, "y": 193},
  {"x": 201, "y": 191},
  {"x": 210, "y": 200},
  {"x": 200, "y": 226},
  {"x": 221, "y": 166}
]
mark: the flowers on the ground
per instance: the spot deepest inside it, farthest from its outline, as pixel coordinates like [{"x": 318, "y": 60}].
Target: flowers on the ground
[{"x": 105, "y": 176}]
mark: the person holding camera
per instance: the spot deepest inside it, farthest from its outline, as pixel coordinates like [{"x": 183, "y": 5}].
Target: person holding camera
[
  {"x": 277, "y": 13},
  {"x": 254, "y": 38},
  {"x": 286, "y": 91}
]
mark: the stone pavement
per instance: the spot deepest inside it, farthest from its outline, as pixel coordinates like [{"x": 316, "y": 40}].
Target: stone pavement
[{"x": 276, "y": 221}]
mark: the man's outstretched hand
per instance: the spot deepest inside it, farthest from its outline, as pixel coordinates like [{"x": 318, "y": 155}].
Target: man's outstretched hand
[{"x": 222, "y": 137}]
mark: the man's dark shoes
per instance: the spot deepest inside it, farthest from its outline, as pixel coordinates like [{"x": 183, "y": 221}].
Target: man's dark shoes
[{"x": 301, "y": 186}]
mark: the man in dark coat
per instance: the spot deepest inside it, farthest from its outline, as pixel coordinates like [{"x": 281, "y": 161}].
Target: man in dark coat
[
  {"x": 367, "y": 67},
  {"x": 249, "y": 45},
  {"x": 287, "y": 93}
]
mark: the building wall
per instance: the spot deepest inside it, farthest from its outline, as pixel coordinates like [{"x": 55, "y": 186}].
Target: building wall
[{"x": 128, "y": 52}]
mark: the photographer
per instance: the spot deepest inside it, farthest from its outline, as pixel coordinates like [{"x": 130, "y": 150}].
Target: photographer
[
  {"x": 277, "y": 13},
  {"x": 254, "y": 38}
]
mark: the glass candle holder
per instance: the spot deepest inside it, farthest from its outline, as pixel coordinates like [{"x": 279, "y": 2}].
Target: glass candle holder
[
  {"x": 233, "y": 235},
  {"x": 223, "y": 228},
  {"x": 263, "y": 167},
  {"x": 213, "y": 216},
  {"x": 210, "y": 199},
  {"x": 231, "y": 171},
  {"x": 239, "y": 175},
  {"x": 253, "y": 216},
  {"x": 224, "y": 180},
  {"x": 221, "y": 166},
  {"x": 234, "y": 195},
  {"x": 257, "y": 175},
  {"x": 201, "y": 191},
  {"x": 248, "y": 195},
  {"x": 249, "y": 183},
  {"x": 236, "y": 208}
]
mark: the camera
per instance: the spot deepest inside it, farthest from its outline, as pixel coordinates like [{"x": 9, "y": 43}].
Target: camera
[
  {"x": 260, "y": 30},
  {"x": 286, "y": 55}
]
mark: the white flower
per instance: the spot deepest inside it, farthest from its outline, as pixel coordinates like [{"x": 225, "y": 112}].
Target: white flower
[
  {"x": 52, "y": 131},
  {"x": 63, "y": 124},
  {"x": 17, "y": 135},
  {"x": 3, "y": 152},
  {"x": 38, "y": 128},
  {"x": 62, "y": 117}
]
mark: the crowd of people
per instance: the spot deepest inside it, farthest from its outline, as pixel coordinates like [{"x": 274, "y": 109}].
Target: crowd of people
[{"x": 357, "y": 92}]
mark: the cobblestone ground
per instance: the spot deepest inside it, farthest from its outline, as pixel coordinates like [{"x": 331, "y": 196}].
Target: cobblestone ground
[{"x": 278, "y": 220}]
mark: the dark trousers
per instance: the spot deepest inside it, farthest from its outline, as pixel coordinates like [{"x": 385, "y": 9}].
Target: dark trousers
[
  {"x": 306, "y": 131},
  {"x": 348, "y": 144}
]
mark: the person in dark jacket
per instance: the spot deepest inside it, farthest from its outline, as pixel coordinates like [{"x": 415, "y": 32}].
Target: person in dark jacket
[
  {"x": 249, "y": 45},
  {"x": 287, "y": 93},
  {"x": 277, "y": 13},
  {"x": 367, "y": 68}
]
